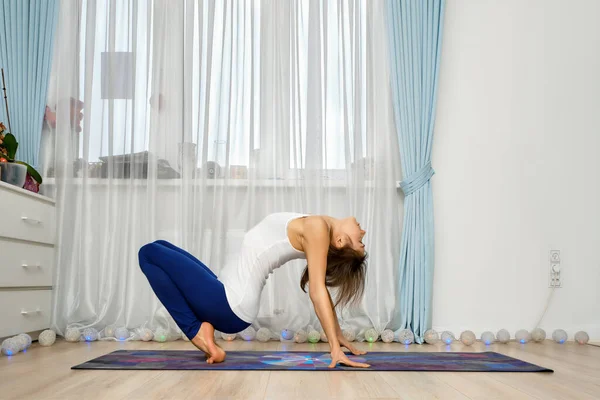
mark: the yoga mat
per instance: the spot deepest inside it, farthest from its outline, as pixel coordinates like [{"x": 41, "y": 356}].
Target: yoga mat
[{"x": 309, "y": 361}]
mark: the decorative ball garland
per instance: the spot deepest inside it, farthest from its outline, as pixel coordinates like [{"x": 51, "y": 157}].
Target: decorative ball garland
[
  {"x": 72, "y": 335},
  {"x": 467, "y": 338},
  {"x": 448, "y": 337},
  {"x": 405, "y": 336},
  {"x": 228, "y": 337},
  {"x": 122, "y": 333},
  {"x": 300, "y": 336},
  {"x": 559, "y": 336},
  {"x": 21, "y": 342},
  {"x": 349, "y": 334},
  {"x": 523, "y": 336},
  {"x": 90, "y": 334},
  {"x": 248, "y": 334},
  {"x": 431, "y": 336},
  {"x": 287, "y": 334},
  {"x": 488, "y": 338},
  {"x": 371, "y": 335},
  {"x": 47, "y": 338},
  {"x": 314, "y": 336},
  {"x": 387, "y": 336},
  {"x": 582, "y": 337},
  {"x": 503, "y": 336},
  {"x": 538, "y": 335},
  {"x": 160, "y": 335},
  {"x": 147, "y": 335},
  {"x": 263, "y": 335}
]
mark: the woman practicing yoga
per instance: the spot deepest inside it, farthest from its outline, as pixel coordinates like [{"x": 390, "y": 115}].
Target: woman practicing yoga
[{"x": 199, "y": 302}]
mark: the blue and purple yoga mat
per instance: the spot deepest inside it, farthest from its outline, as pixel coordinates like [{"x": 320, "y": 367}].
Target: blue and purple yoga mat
[{"x": 309, "y": 361}]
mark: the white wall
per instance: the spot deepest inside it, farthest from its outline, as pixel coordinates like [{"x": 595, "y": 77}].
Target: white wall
[{"x": 517, "y": 160}]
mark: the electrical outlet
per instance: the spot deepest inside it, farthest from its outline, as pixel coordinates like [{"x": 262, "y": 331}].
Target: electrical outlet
[
  {"x": 555, "y": 282},
  {"x": 555, "y": 267}
]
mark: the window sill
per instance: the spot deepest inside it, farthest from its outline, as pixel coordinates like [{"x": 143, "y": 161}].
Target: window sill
[{"x": 232, "y": 183}]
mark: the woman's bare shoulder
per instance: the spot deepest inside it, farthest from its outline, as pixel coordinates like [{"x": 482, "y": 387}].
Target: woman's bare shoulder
[{"x": 315, "y": 228}]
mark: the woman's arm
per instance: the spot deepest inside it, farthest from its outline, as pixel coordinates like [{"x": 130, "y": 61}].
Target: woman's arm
[
  {"x": 340, "y": 335},
  {"x": 316, "y": 246},
  {"x": 338, "y": 329}
]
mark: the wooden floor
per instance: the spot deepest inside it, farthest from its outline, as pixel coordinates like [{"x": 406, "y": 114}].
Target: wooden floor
[{"x": 44, "y": 373}]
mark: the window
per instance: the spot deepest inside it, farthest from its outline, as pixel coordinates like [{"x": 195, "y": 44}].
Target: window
[{"x": 218, "y": 66}]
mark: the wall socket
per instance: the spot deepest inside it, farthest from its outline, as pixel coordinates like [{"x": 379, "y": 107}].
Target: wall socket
[{"x": 555, "y": 270}]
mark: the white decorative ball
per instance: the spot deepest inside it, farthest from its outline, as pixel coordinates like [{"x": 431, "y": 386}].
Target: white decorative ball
[
  {"x": 405, "y": 336},
  {"x": 286, "y": 334},
  {"x": 72, "y": 335},
  {"x": 559, "y": 336},
  {"x": 582, "y": 337},
  {"x": 314, "y": 336},
  {"x": 538, "y": 335},
  {"x": 371, "y": 335},
  {"x": 387, "y": 336},
  {"x": 27, "y": 339},
  {"x": 160, "y": 335},
  {"x": 10, "y": 347},
  {"x": 47, "y": 338},
  {"x": 20, "y": 341},
  {"x": 263, "y": 335},
  {"x": 523, "y": 336},
  {"x": 323, "y": 336},
  {"x": 90, "y": 334},
  {"x": 431, "y": 336},
  {"x": 122, "y": 333},
  {"x": 229, "y": 337},
  {"x": 468, "y": 338},
  {"x": 145, "y": 334},
  {"x": 300, "y": 336},
  {"x": 349, "y": 334},
  {"x": 503, "y": 336},
  {"x": 109, "y": 331},
  {"x": 448, "y": 337},
  {"x": 248, "y": 334},
  {"x": 488, "y": 338}
]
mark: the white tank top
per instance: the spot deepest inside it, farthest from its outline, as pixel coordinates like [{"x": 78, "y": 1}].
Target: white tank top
[{"x": 265, "y": 248}]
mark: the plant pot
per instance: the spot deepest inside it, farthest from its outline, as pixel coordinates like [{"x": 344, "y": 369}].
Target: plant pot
[
  {"x": 13, "y": 173},
  {"x": 31, "y": 184}
]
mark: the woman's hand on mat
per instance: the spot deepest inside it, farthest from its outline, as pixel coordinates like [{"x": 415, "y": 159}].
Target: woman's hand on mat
[
  {"x": 338, "y": 357},
  {"x": 345, "y": 343}
]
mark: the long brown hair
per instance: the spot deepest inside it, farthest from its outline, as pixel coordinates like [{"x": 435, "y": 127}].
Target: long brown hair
[{"x": 346, "y": 270}]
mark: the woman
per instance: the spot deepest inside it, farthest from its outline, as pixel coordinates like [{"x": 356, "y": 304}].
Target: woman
[{"x": 199, "y": 302}]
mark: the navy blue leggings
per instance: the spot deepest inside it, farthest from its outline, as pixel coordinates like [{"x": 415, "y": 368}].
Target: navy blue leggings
[{"x": 188, "y": 289}]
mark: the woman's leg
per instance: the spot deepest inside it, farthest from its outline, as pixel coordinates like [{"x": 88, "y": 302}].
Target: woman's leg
[
  {"x": 185, "y": 253},
  {"x": 193, "y": 296}
]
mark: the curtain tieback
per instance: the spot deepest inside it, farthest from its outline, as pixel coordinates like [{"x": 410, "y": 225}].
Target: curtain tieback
[{"x": 417, "y": 180}]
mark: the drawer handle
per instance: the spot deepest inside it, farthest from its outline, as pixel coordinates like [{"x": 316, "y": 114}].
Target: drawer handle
[
  {"x": 38, "y": 311},
  {"x": 38, "y": 266},
  {"x": 31, "y": 220}
]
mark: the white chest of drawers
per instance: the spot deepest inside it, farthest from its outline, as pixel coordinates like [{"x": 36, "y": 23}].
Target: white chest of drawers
[{"x": 27, "y": 239}]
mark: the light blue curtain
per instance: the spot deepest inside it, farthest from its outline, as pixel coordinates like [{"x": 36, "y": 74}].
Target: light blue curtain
[
  {"x": 26, "y": 41},
  {"x": 415, "y": 36}
]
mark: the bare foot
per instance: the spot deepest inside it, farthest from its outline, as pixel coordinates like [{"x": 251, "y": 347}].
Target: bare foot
[{"x": 205, "y": 341}]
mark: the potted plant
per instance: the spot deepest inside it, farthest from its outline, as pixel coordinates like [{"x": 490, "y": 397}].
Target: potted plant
[{"x": 15, "y": 172}]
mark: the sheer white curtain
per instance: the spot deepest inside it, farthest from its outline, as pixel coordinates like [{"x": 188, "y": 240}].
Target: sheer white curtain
[{"x": 199, "y": 119}]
